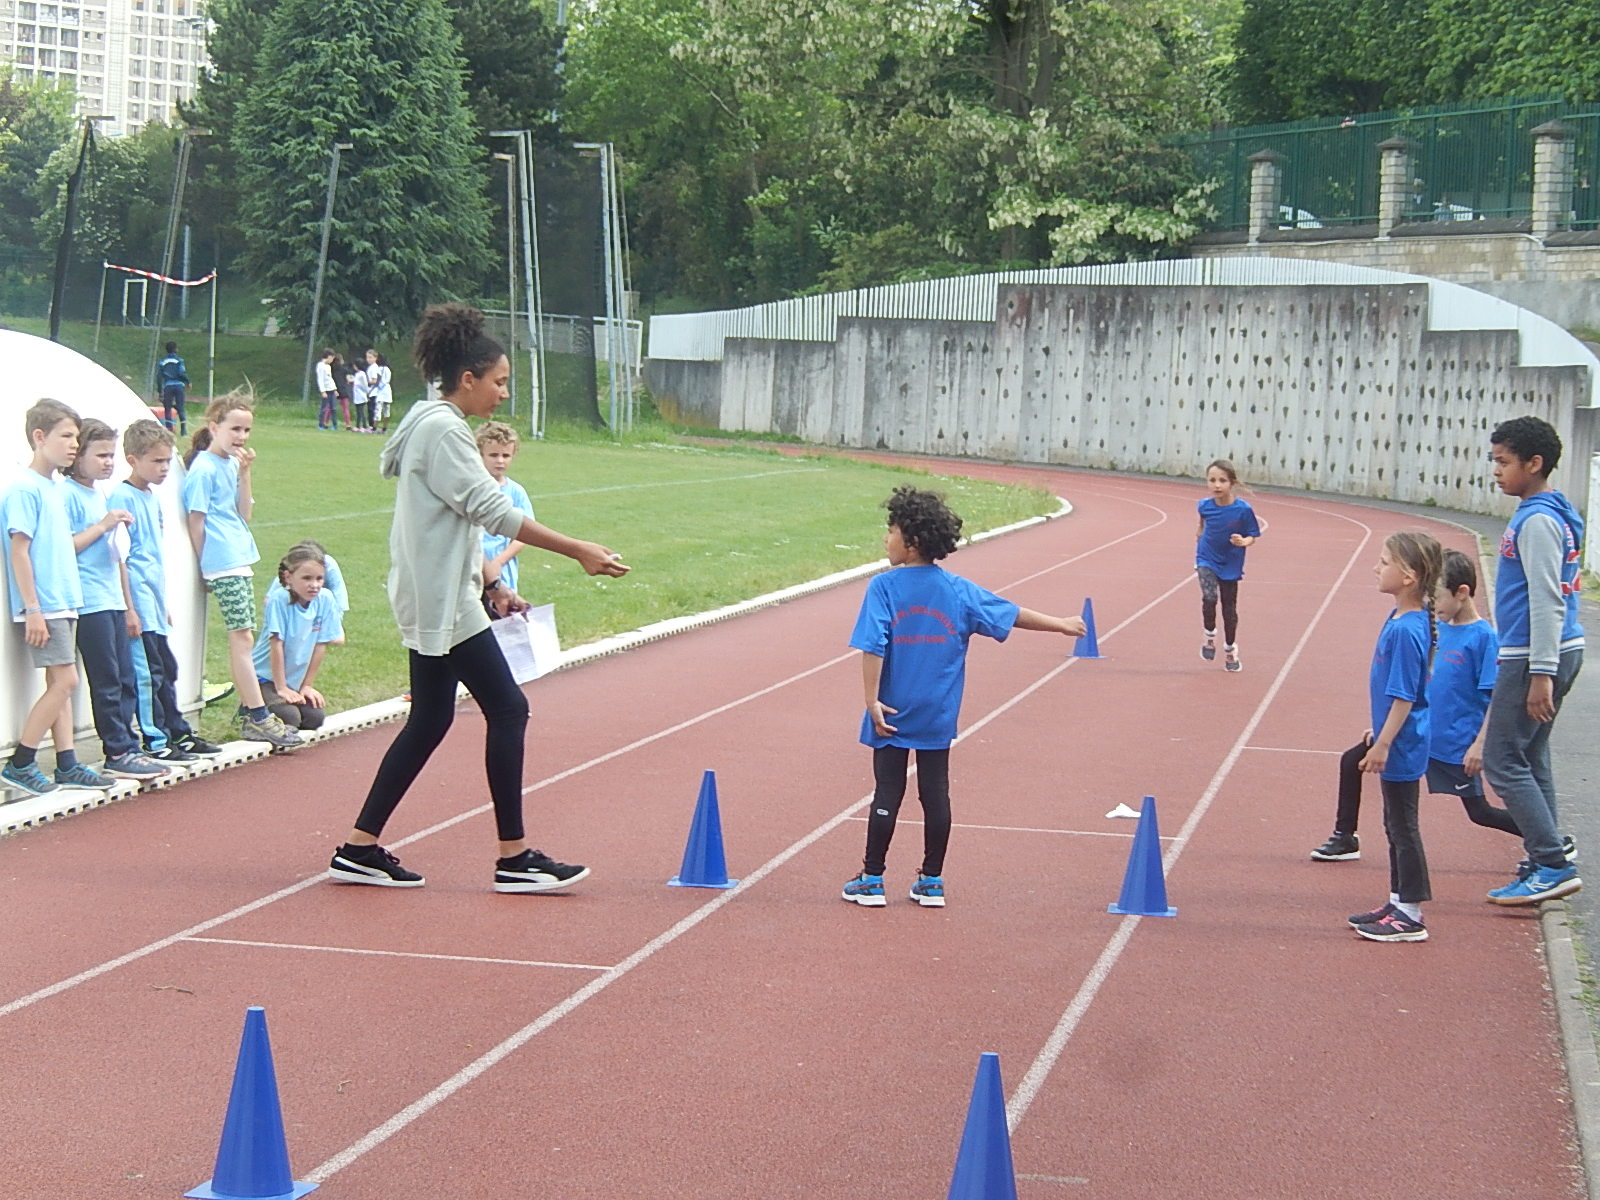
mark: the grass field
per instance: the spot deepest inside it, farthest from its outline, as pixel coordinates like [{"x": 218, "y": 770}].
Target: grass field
[{"x": 701, "y": 527}]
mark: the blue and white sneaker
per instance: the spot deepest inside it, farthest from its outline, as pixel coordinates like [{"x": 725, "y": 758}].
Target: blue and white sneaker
[
  {"x": 1539, "y": 885},
  {"x": 928, "y": 891},
  {"x": 80, "y": 776},
  {"x": 865, "y": 890},
  {"x": 28, "y": 779}
]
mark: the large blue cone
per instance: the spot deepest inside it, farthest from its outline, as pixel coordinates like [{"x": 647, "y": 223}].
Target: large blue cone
[
  {"x": 983, "y": 1164},
  {"x": 703, "y": 861},
  {"x": 1144, "y": 887},
  {"x": 253, "y": 1159}
]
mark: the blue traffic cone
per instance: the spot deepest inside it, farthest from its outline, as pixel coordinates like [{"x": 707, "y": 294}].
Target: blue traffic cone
[
  {"x": 1088, "y": 646},
  {"x": 983, "y": 1164},
  {"x": 253, "y": 1159},
  {"x": 1144, "y": 887},
  {"x": 703, "y": 863}
]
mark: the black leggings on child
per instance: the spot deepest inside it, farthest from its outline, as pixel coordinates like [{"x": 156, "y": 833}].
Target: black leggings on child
[
  {"x": 1211, "y": 589},
  {"x": 479, "y": 664},
  {"x": 889, "y": 767},
  {"x": 1479, "y": 810}
]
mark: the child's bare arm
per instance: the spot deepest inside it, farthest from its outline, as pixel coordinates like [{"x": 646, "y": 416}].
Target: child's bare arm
[
  {"x": 197, "y": 533},
  {"x": 1378, "y": 756},
  {"x": 130, "y": 614},
  {"x": 35, "y": 631},
  {"x": 279, "y": 671},
  {"x": 93, "y": 533},
  {"x": 1044, "y": 623},
  {"x": 871, "y": 676}
]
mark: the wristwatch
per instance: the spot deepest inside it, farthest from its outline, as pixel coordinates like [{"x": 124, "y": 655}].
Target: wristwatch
[{"x": 498, "y": 583}]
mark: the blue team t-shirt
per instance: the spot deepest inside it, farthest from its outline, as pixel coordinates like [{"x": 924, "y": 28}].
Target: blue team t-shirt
[
  {"x": 98, "y": 577},
  {"x": 300, "y": 629},
  {"x": 918, "y": 620},
  {"x": 1400, "y": 672},
  {"x": 212, "y": 487},
  {"x": 1458, "y": 694},
  {"x": 35, "y": 506},
  {"x": 1221, "y": 522},
  {"x": 146, "y": 567},
  {"x": 493, "y": 543}
]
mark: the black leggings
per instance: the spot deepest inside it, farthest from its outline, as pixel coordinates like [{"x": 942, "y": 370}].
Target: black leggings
[
  {"x": 1479, "y": 810},
  {"x": 479, "y": 664},
  {"x": 1408, "y": 865},
  {"x": 889, "y": 765},
  {"x": 1212, "y": 588}
]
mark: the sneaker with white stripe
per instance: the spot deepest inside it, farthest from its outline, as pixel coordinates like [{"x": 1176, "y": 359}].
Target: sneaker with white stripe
[{"x": 371, "y": 865}]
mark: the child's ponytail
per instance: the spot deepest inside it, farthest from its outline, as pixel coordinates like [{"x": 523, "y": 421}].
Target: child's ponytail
[
  {"x": 1423, "y": 556},
  {"x": 240, "y": 399}
]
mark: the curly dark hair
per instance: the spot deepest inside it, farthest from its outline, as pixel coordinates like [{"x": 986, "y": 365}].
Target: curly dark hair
[
  {"x": 1527, "y": 436},
  {"x": 450, "y": 341},
  {"x": 927, "y": 526}
]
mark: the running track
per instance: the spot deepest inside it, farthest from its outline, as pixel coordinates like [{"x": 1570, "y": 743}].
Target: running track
[{"x": 633, "y": 1040}]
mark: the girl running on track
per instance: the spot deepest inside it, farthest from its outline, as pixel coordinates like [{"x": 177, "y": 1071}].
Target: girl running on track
[
  {"x": 1227, "y": 526},
  {"x": 444, "y": 501},
  {"x": 1408, "y": 569}
]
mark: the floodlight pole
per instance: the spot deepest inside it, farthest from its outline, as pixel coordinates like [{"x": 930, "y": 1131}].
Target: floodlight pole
[
  {"x": 58, "y": 290},
  {"x": 180, "y": 180},
  {"x": 510, "y": 161},
  {"x": 530, "y": 275},
  {"x": 322, "y": 265}
]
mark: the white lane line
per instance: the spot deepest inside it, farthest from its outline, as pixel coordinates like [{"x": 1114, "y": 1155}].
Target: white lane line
[
  {"x": 473, "y": 1070},
  {"x": 1021, "y": 829},
  {"x": 1028, "y": 1090},
  {"x": 1293, "y": 750},
  {"x": 509, "y": 962},
  {"x": 102, "y": 968}
]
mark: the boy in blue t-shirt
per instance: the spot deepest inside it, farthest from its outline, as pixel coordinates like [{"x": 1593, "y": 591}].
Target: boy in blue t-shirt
[
  {"x": 913, "y": 631},
  {"x": 497, "y": 443},
  {"x": 167, "y": 735},
  {"x": 45, "y": 595},
  {"x": 1541, "y": 652},
  {"x": 104, "y": 628}
]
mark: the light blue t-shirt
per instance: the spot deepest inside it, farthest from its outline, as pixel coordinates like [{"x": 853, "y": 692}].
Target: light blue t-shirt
[
  {"x": 299, "y": 628},
  {"x": 493, "y": 543},
  {"x": 918, "y": 620},
  {"x": 1464, "y": 670},
  {"x": 146, "y": 570},
  {"x": 98, "y": 577},
  {"x": 1221, "y": 522},
  {"x": 1400, "y": 672},
  {"x": 212, "y": 487},
  {"x": 34, "y": 506}
]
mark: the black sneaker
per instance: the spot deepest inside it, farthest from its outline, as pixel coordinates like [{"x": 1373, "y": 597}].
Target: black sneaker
[
  {"x": 1396, "y": 927},
  {"x": 1370, "y": 918},
  {"x": 371, "y": 864},
  {"x": 193, "y": 743},
  {"x": 1341, "y": 847},
  {"x": 1569, "y": 848},
  {"x": 172, "y": 753},
  {"x": 531, "y": 871}
]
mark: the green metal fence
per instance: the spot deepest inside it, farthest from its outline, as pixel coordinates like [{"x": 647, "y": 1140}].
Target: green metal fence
[{"x": 1469, "y": 162}]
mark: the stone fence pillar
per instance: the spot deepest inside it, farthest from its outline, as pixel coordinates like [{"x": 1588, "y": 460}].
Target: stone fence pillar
[
  {"x": 1266, "y": 189},
  {"x": 1552, "y": 178},
  {"x": 1394, "y": 183}
]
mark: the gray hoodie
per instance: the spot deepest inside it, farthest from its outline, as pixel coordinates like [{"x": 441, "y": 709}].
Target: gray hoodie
[{"x": 445, "y": 500}]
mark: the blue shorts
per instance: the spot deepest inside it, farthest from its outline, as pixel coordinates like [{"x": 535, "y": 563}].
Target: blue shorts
[{"x": 1451, "y": 779}]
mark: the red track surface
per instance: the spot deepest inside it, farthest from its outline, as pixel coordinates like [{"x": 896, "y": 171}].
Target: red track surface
[{"x": 645, "y": 1041}]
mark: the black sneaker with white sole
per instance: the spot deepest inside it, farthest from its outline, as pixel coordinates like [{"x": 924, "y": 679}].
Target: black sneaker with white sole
[
  {"x": 372, "y": 865},
  {"x": 532, "y": 871},
  {"x": 1340, "y": 847}
]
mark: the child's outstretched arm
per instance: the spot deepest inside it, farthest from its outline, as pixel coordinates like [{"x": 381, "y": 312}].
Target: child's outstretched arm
[
  {"x": 1073, "y": 627},
  {"x": 1378, "y": 756},
  {"x": 871, "y": 674}
]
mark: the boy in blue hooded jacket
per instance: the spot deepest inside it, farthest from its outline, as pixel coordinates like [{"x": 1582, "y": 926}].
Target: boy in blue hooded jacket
[{"x": 1541, "y": 652}]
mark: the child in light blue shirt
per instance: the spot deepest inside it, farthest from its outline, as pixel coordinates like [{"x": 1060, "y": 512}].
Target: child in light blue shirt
[
  {"x": 300, "y": 621},
  {"x": 497, "y": 442},
  {"x": 105, "y": 633}
]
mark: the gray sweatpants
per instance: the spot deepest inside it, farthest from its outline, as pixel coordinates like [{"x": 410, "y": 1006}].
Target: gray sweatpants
[{"x": 1516, "y": 755}]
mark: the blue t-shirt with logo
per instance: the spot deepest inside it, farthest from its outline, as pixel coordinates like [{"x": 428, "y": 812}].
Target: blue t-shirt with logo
[
  {"x": 300, "y": 628},
  {"x": 1221, "y": 522},
  {"x": 146, "y": 567},
  {"x": 34, "y": 506},
  {"x": 1400, "y": 672},
  {"x": 98, "y": 576},
  {"x": 493, "y": 543},
  {"x": 212, "y": 487},
  {"x": 918, "y": 620},
  {"x": 1458, "y": 695}
]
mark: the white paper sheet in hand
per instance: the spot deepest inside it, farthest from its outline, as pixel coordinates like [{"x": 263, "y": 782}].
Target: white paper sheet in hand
[{"x": 529, "y": 642}]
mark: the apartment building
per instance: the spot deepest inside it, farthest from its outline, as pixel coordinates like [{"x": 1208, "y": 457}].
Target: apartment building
[{"x": 132, "y": 60}]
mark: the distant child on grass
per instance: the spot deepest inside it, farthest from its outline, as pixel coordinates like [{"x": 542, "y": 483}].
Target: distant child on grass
[
  {"x": 1408, "y": 569},
  {"x": 42, "y": 579},
  {"x": 913, "y": 631},
  {"x": 1541, "y": 652},
  {"x": 380, "y": 391},
  {"x": 300, "y": 620},
  {"x": 106, "y": 626},
  {"x": 1458, "y": 702},
  {"x": 328, "y": 389},
  {"x": 167, "y": 735},
  {"x": 217, "y": 497},
  {"x": 173, "y": 379},
  {"x": 497, "y": 443},
  {"x": 1227, "y": 527},
  {"x": 359, "y": 392}
]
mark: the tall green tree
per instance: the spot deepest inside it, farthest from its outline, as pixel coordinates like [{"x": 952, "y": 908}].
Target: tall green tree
[
  {"x": 410, "y": 225},
  {"x": 511, "y": 50},
  {"x": 35, "y": 122}
]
